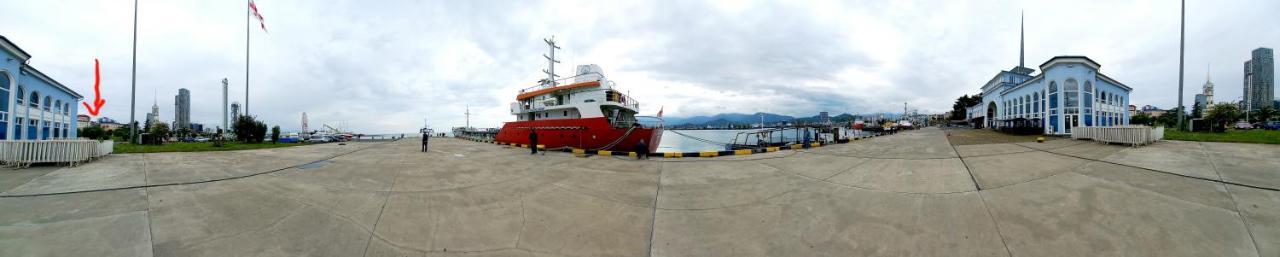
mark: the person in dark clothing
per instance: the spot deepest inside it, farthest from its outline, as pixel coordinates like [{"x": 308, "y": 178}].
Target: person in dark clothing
[
  {"x": 642, "y": 150},
  {"x": 533, "y": 142},
  {"x": 425, "y": 137}
]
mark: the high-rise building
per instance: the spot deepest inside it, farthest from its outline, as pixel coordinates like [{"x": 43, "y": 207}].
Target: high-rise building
[
  {"x": 154, "y": 116},
  {"x": 224, "y": 104},
  {"x": 182, "y": 109},
  {"x": 1259, "y": 79},
  {"x": 1201, "y": 101},
  {"x": 235, "y": 112},
  {"x": 1208, "y": 92}
]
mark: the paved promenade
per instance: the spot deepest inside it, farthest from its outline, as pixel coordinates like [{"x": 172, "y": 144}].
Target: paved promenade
[{"x": 911, "y": 194}]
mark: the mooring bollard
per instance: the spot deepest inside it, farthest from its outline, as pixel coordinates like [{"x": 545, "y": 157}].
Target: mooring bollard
[{"x": 1040, "y": 139}]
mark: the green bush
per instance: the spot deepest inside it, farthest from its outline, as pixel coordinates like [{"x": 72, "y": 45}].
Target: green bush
[{"x": 249, "y": 130}]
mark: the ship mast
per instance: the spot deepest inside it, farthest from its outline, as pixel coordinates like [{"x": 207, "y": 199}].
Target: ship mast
[{"x": 551, "y": 61}]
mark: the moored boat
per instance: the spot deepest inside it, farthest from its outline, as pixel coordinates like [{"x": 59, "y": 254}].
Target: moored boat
[{"x": 584, "y": 111}]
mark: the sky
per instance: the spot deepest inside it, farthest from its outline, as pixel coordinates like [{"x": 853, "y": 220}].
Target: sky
[{"x": 395, "y": 66}]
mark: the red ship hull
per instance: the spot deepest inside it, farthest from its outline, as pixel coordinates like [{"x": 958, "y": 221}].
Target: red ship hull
[{"x": 589, "y": 133}]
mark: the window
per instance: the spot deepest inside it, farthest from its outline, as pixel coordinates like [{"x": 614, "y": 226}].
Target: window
[
  {"x": 1053, "y": 96},
  {"x": 47, "y": 103},
  {"x": 1072, "y": 97},
  {"x": 57, "y": 106},
  {"x": 21, "y": 92}
]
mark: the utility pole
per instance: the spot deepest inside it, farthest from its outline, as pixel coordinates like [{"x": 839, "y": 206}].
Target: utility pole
[
  {"x": 1182, "y": 51},
  {"x": 133, "y": 88},
  {"x": 468, "y": 113}
]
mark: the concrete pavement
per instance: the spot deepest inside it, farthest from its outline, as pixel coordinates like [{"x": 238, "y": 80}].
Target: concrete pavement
[{"x": 910, "y": 194}]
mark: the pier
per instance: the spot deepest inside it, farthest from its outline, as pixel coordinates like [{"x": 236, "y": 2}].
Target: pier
[{"x": 914, "y": 193}]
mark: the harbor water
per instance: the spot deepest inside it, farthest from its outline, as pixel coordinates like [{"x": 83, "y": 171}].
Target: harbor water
[{"x": 719, "y": 140}]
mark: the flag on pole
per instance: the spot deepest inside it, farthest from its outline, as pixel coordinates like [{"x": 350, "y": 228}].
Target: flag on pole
[{"x": 258, "y": 15}]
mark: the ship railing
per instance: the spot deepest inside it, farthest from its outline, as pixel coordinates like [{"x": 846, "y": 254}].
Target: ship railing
[
  {"x": 561, "y": 81},
  {"x": 782, "y": 136}
]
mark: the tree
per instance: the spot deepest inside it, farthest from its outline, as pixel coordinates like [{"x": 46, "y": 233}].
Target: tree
[
  {"x": 92, "y": 132},
  {"x": 1170, "y": 118},
  {"x": 249, "y": 130},
  {"x": 275, "y": 134},
  {"x": 159, "y": 132},
  {"x": 1263, "y": 114},
  {"x": 183, "y": 132},
  {"x": 1142, "y": 118},
  {"x": 1221, "y": 114},
  {"x": 960, "y": 107}
]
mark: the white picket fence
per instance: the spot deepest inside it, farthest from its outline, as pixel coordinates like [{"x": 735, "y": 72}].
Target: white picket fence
[
  {"x": 23, "y": 153},
  {"x": 1132, "y": 135}
]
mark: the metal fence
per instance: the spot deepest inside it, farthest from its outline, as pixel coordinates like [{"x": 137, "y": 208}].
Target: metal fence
[
  {"x": 23, "y": 153},
  {"x": 1132, "y": 135}
]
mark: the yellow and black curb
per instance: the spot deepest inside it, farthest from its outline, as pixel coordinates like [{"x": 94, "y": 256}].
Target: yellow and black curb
[{"x": 706, "y": 154}]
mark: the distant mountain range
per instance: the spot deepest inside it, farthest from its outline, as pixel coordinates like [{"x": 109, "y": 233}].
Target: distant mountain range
[{"x": 754, "y": 118}]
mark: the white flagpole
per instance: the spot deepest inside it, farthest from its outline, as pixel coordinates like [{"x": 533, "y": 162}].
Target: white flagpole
[{"x": 247, "y": 13}]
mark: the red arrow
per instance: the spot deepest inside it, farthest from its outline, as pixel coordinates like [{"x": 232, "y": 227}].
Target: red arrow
[{"x": 97, "y": 94}]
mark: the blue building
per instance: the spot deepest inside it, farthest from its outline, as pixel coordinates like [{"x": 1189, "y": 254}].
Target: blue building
[
  {"x": 1070, "y": 91},
  {"x": 33, "y": 106}
]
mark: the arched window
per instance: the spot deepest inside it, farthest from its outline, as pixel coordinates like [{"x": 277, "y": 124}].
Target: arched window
[
  {"x": 1053, "y": 96},
  {"x": 1072, "y": 97},
  {"x": 34, "y": 100},
  {"x": 21, "y": 92},
  {"x": 66, "y": 108},
  {"x": 47, "y": 103},
  {"x": 4, "y": 99},
  {"x": 57, "y": 106},
  {"x": 1035, "y": 102}
]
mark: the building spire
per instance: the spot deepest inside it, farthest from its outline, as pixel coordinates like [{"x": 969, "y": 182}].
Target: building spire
[
  {"x": 1208, "y": 70},
  {"x": 1022, "y": 41}
]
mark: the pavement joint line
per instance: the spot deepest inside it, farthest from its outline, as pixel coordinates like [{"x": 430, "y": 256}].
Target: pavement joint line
[
  {"x": 186, "y": 183},
  {"x": 385, "y": 201},
  {"x": 1243, "y": 220},
  {"x": 653, "y": 218},
  {"x": 1160, "y": 171},
  {"x": 976, "y": 186},
  {"x": 994, "y": 222},
  {"x": 151, "y": 235}
]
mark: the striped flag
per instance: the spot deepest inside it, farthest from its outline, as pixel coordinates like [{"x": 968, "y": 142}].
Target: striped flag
[{"x": 258, "y": 15}]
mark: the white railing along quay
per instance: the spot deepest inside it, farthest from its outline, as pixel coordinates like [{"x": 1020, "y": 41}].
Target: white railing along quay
[
  {"x": 23, "y": 153},
  {"x": 1132, "y": 135}
]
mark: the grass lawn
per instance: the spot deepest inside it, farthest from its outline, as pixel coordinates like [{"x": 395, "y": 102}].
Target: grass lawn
[
  {"x": 1256, "y": 136},
  {"x": 194, "y": 147}
]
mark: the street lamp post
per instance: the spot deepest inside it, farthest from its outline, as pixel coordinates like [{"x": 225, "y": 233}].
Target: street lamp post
[{"x": 1182, "y": 49}]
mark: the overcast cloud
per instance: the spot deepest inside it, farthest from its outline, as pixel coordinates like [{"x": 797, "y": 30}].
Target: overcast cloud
[{"x": 385, "y": 66}]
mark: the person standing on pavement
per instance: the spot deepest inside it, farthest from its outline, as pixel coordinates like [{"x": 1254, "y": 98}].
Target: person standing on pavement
[
  {"x": 533, "y": 141},
  {"x": 642, "y": 150}
]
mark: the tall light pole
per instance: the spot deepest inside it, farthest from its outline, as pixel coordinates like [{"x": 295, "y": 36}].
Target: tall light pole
[
  {"x": 1182, "y": 53},
  {"x": 133, "y": 87}
]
